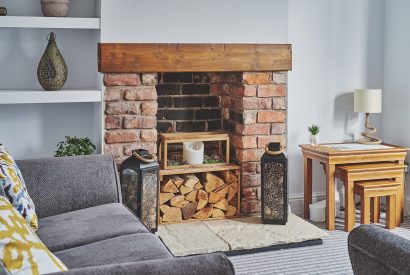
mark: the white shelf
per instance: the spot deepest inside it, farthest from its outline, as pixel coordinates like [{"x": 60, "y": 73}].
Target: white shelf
[
  {"x": 40, "y": 96},
  {"x": 49, "y": 22}
]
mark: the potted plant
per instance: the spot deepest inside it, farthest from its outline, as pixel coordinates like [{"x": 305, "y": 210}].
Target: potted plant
[
  {"x": 74, "y": 146},
  {"x": 314, "y": 134}
]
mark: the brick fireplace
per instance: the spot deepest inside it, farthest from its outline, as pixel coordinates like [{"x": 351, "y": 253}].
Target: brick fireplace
[{"x": 250, "y": 105}]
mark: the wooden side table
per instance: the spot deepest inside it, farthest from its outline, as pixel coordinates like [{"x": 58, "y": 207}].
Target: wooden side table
[{"x": 330, "y": 155}]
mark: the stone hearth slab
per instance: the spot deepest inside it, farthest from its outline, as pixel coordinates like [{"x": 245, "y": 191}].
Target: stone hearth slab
[{"x": 237, "y": 234}]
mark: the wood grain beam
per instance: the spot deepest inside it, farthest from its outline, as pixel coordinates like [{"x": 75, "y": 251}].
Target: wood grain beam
[{"x": 137, "y": 57}]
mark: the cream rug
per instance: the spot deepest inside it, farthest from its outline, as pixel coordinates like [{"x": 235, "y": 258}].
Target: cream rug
[{"x": 236, "y": 234}]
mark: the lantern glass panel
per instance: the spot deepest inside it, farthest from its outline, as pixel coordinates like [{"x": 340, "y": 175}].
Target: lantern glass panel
[
  {"x": 273, "y": 194},
  {"x": 149, "y": 198},
  {"x": 129, "y": 189}
]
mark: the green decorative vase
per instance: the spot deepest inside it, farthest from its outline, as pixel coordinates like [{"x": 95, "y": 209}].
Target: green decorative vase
[{"x": 52, "y": 70}]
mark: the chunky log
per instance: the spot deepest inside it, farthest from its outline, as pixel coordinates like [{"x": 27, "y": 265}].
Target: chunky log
[
  {"x": 164, "y": 208},
  {"x": 190, "y": 180},
  {"x": 178, "y": 181},
  {"x": 232, "y": 193},
  {"x": 228, "y": 176},
  {"x": 217, "y": 213},
  {"x": 198, "y": 186},
  {"x": 215, "y": 197},
  {"x": 231, "y": 211},
  {"x": 204, "y": 213},
  {"x": 177, "y": 201},
  {"x": 154, "y": 57},
  {"x": 189, "y": 210},
  {"x": 223, "y": 189},
  {"x": 201, "y": 204},
  {"x": 164, "y": 197},
  {"x": 168, "y": 186},
  {"x": 174, "y": 214},
  {"x": 185, "y": 190},
  {"x": 223, "y": 205},
  {"x": 202, "y": 194},
  {"x": 192, "y": 196}
]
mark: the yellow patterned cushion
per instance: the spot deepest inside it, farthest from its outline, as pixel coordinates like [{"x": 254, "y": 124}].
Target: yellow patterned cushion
[
  {"x": 21, "y": 251},
  {"x": 15, "y": 189}
]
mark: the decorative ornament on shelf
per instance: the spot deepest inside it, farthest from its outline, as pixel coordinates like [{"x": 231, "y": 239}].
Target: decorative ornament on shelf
[
  {"x": 3, "y": 11},
  {"x": 193, "y": 152},
  {"x": 55, "y": 8},
  {"x": 274, "y": 185},
  {"x": 314, "y": 134},
  {"x": 52, "y": 70},
  {"x": 368, "y": 101},
  {"x": 74, "y": 146},
  {"x": 139, "y": 176}
]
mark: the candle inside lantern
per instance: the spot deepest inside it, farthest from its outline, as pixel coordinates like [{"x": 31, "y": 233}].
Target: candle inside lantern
[{"x": 193, "y": 152}]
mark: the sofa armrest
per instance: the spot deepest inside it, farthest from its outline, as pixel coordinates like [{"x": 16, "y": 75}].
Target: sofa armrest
[
  {"x": 215, "y": 264},
  {"x": 374, "y": 250},
  {"x": 60, "y": 185}
]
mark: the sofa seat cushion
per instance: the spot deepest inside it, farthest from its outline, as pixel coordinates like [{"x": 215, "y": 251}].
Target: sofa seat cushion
[
  {"x": 87, "y": 226},
  {"x": 123, "y": 249}
]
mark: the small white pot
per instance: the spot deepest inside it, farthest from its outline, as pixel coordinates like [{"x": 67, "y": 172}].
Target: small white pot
[
  {"x": 55, "y": 8},
  {"x": 314, "y": 140}
]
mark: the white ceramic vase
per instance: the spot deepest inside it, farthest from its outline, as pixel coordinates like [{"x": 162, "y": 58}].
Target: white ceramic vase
[{"x": 314, "y": 140}]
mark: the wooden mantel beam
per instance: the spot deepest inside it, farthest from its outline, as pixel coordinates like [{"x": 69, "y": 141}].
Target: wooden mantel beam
[{"x": 148, "y": 58}]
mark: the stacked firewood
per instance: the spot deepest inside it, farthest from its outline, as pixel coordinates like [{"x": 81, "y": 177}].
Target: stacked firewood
[{"x": 198, "y": 196}]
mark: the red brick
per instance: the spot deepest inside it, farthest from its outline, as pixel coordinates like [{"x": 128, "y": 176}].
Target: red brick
[
  {"x": 113, "y": 149},
  {"x": 243, "y": 141},
  {"x": 250, "y": 206},
  {"x": 140, "y": 122},
  {"x": 150, "y": 146},
  {"x": 140, "y": 93},
  {"x": 278, "y": 128},
  {"x": 113, "y": 94},
  {"x": 264, "y": 140},
  {"x": 228, "y": 102},
  {"x": 254, "y": 103},
  {"x": 216, "y": 89},
  {"x": 251, "y": 180},
  {"x": 119, "y": 136},
  {"x": 149, "y": 79},
  {"x": 121, "y": 80},
  {"x": 271, "y": 90},
  {"x": 149, "y": 108},
  {"x": 249, "y": 117},
  {"x": 279, "y": 103},
  {"x": 271, "y": 116},
  {"x": 253, "y": 129},
  {"x": 117, "y": 108},
  {"x": 113, "y": 122},
  {"x": 257, "y": 78},
  {"x": 242, "y": 90},
  {"x": 245, "y": 155},
  {"x": 249, "y": 167},
  {"x": 249, "y": 193},
  {"x": 149, "y": 135}
]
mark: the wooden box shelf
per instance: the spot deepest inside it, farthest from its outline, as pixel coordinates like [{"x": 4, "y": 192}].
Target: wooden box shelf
[{"x": 165, "y": 139}]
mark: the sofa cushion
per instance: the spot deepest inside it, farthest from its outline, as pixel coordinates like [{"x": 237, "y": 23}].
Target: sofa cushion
[
  {"x": 123, "y": 249},
  {"x": 88, "y": 225}
]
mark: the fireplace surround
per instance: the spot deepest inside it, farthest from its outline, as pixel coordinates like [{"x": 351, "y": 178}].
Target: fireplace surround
[{"x": 249, "y": 103}]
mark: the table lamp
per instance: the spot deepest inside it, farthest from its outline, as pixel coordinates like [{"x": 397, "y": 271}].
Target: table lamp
[{"x": 368, "y": 101}]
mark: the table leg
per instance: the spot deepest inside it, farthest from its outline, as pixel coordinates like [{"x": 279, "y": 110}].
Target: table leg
[
  {"x": 365, "y": 210},
  {"x": 350, "y": 213},
  {"x": 375, "y": 209},
  {"x": 399, "y": 199},
  {"x": 307, "y": 186},
  {"x": 330, "y": 197}
]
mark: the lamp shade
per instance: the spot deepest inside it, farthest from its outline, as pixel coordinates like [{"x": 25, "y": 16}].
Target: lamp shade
[{"x": 368, "y": 100}]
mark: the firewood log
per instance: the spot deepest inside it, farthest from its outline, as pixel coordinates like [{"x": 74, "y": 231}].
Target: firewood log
[
  {"x": 232, "y": 193},
  {"x": 164, "y": 208},
  {"x": 185, "y": 190},
  {"x": 198, "y": 186},
  {"x": 202, "y": 194},
  {"x": 204, "y": 213},
  {"x": 201, "y": 204},
  {"x": 189, "y": 210},
  {"x": 234, "y": 201},
  {"x": 223, "y": 204},
  {"x": 192, "y": 196},
  {"x": 223, "y": 189},
  {"x": 168, "y": 186},
  {"x": 164, "y": 197},
  {"x": 177, "y": 201},
  {"x": 174, "y": 214},
  {"x": 190, "y": 180},
  {"x": 228, "y": 176},
  {"x": 231, "y": 211},
  {"x": 215, "y": 197},
  {"x": 178, "y": 181},
  {"x": 217, "y": 213},
  {"x": 212, "y": 181}
]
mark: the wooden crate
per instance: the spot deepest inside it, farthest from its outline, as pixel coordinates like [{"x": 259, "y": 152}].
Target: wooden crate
[
  {"x": 172, "y": 138},
  {"x": 219, "y": 194}
]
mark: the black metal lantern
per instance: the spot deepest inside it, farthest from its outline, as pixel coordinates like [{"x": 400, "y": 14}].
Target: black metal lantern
[
  {"x": 139, "y": 176},
  {"x": 274, "y": 185}
]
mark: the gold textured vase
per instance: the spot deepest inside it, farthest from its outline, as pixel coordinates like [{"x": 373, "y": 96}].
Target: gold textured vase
[{"x": 52, "y": 70}]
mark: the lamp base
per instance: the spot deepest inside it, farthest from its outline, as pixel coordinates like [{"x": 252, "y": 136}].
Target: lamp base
[{"x": 369, "y": 139}]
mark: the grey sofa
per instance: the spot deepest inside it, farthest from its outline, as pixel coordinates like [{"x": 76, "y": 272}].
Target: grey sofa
[
  {"x": 82, "y": 221},
  {"x": 376, "y": 251}
]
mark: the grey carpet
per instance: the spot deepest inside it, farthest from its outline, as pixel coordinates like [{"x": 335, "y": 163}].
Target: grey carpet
[{"x": 329, "y": 258}]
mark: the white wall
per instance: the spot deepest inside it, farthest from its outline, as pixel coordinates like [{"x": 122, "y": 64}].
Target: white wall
[
  {"x": 187, "y": 21},
  {"x": 337, "y": 46},
  {"x": 396, "y": 89}
]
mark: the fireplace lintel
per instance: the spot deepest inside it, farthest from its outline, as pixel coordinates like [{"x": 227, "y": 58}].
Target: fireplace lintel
[{"x": 183, "y": 57}]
